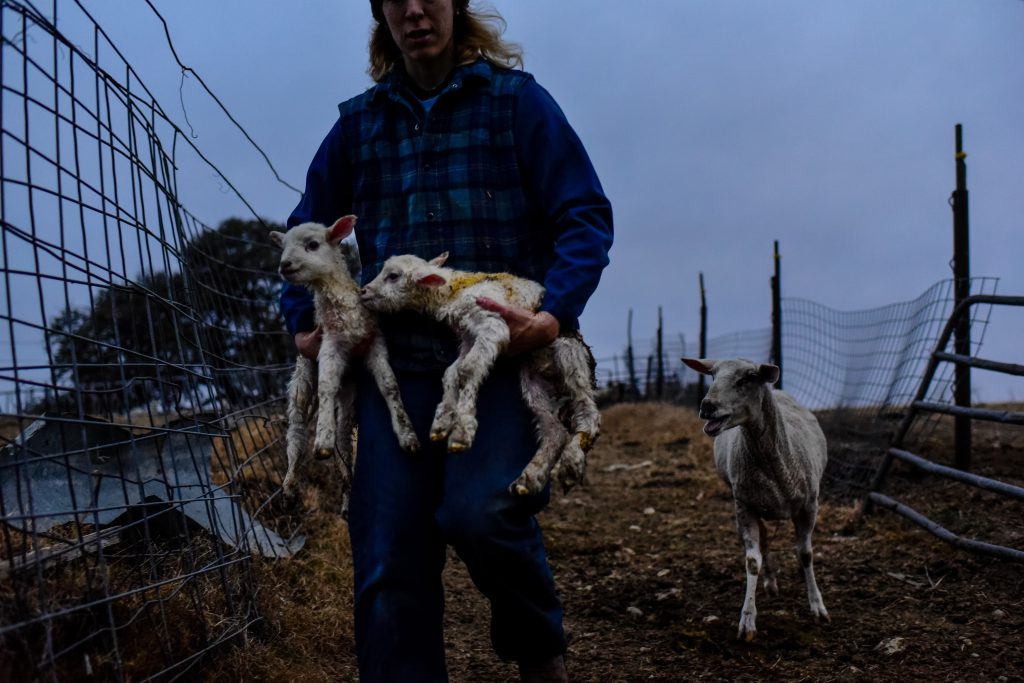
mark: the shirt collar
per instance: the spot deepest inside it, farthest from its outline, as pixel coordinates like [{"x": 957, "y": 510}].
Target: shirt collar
[{"x": 395, "y": 84}]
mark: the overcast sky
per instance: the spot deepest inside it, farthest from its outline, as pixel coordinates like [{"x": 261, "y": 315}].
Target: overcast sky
[{"x": 716, "y": 127}]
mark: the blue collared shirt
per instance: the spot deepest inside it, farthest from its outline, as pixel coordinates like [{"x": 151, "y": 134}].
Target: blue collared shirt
[{"x": 493, "y": 174}]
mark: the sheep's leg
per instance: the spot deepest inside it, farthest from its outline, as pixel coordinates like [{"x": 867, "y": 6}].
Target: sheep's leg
[
  {"x": 750, "y": 533},
  {"x": 331, "y": 368},
  {"x": 346, "y": 420},
  {"x": 571, "y": 466},
  {"x": 491, "y": 338},
  {"x": 444, "y": 416},
  {"x": 300, "y": 394},
  {"x": 770, "y": 583},
  {"x": 384, "y": 376},
  {"x": 573, "y": 360},
  {"x": 346, "y": 425},
  {"x": 551, "y": 435},
  {"x": 803, "y": 523}
]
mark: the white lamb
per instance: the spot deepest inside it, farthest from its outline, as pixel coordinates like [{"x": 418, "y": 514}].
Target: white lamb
[
  {"x": 315, "y": 256},
  {"x": 564, "y": 368},
  {"x": 772, "y": 454}
]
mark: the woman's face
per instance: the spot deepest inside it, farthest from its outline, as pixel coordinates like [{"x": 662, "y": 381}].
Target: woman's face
[{"x": 422, "y": 29}]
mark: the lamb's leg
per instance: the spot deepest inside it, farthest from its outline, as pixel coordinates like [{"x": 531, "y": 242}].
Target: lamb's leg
[
  {"x": 346, "y": 425},
  {"x": 331, "y": 366},
  {"x": 803, "y": 523},
  {"x": 300, "y": 394},
  {"x": 444, "y": 416},
  {"x": 384, "y": 376},
  {"x": 571, "y": 465},
  {"x": 551, "y": 435},
  {"x": 491, "y": 337},
  {"x": 770, "y": 583},
  {"x": 573, "y": 360},
  {"x": 750, "y": 532}
]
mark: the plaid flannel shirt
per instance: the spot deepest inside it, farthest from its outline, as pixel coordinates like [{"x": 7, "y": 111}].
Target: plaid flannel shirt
[{"x": 492, "y": 173}]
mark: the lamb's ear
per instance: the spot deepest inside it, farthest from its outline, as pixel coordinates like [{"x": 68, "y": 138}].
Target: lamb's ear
[
  {"x": 769, "y": 374},
  {"x": 439, "y": 260},
  {"x": 341, "y": 229},
  {"x": 701, "y": 365},
  {"x": 277, "y": 238},
  {"x": 431, "y": 280}
]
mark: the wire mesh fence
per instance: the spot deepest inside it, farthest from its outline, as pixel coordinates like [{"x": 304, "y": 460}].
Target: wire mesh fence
[
  {"x": 144, "y": 370},
  {"x": 858, "y": 370},
  {"x": 141, "y": 383}
]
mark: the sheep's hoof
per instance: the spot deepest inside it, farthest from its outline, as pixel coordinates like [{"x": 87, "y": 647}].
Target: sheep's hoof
[
  {"x": 520, "y": 490},
  {"x": 457, "y": 447},
  {"x": 747, "y": 633},
  {"x": 771, "y": 586},
  {"x": 410, "y": 444},
  {"x": 324, "y": 453},
  {"x": 438, "y": 435}
]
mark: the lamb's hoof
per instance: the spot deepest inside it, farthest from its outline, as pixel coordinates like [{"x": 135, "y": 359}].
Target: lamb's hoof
[
  {"x": 323, "y": 453},
  {"x": 525, "y": 485},
  {"x": 437, "y": 435},
  {"x": 747, "y": 636},
  {"x": 410, "y": 444},
  {"x": 461, "y": 437},
  {"x": 585, "y": 441},
  {"x": 771, "y": 586},
  {"x": 821, "y": 616}
]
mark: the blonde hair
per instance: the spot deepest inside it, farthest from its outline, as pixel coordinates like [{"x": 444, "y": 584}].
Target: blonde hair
[{"x": 476, "y": 33}]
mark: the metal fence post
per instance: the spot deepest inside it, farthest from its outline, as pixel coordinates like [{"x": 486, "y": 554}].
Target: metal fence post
[
  {"x": 962, "y": 289},
  {"x": 777, "y": 315},
  {"x": 703, "y": 339}
]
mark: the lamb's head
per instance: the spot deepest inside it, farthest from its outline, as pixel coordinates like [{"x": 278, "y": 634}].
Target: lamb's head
[
  {"x": 312, "y": 252},
  {"x": 736, "y": 392},
  {"x": 406, "y": 282}
]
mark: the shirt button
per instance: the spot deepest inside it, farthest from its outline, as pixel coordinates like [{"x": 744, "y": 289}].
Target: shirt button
[
  {"x": 430, "y": 215},
  {"x": 416, "y": 127}
]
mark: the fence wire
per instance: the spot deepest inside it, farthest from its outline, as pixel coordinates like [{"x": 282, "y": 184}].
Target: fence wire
[
  {"x": 858, "y": 370},
  {"x": 142, "y": 378}
]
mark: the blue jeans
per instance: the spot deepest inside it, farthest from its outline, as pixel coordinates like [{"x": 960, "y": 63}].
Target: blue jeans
[{"x": 406, "y": 508}]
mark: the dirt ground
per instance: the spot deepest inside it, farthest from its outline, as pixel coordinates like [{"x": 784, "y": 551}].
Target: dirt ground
[{"x": 650, "y": 571}]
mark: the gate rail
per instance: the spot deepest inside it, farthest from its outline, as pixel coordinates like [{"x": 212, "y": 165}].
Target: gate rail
[{"x": 919, "y": 405}]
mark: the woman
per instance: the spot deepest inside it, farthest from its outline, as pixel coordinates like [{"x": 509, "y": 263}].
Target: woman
[{"x": 453, "y": 151}]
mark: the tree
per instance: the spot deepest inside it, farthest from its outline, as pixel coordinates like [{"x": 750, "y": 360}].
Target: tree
[{"x": 210, "y": 326}]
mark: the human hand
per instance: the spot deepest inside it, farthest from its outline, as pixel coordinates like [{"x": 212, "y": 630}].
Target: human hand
[
  {"x": 308, "y": 343},
  {"x": 527, "y": 330}
]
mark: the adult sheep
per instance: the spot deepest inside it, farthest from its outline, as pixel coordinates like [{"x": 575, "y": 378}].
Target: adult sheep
[{"x": 772, "y": 454}]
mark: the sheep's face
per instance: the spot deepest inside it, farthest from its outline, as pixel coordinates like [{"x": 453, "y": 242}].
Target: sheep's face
[
  {"x": 404, "y": 283},
  {"x": 735, "y": 393},
  {"x": 312, "y": 252}
]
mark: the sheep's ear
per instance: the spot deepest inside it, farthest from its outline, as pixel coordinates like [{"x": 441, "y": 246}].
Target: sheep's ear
[
  {"x": 341, "y": 229},
  {"x": 439, "y": 260},
  {"x": 703, "y": 366},
  {"x": 277, "y": 238},
  {"x": 769, "y": 374},
  {"x": 431, "y": 280}
]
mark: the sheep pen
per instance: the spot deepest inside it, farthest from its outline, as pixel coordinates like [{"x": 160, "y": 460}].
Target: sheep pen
[{"x": 646, "y": 563}]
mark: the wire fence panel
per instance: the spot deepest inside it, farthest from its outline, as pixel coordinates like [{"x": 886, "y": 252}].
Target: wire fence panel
[
  {"x": 858, "y": 370},
  {"x": 142, "y": 378}
]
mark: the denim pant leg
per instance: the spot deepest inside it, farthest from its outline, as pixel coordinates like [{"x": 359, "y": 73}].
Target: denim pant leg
[
  {"x": 398, "y": 553},
  {"x": 495, "y": 533}
]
